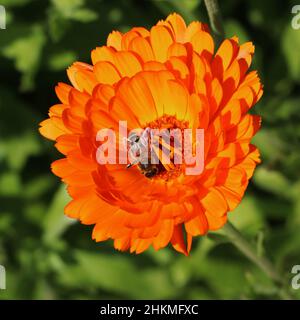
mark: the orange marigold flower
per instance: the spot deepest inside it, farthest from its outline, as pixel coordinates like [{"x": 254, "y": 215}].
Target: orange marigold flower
[{"x": 168, "y": 76}]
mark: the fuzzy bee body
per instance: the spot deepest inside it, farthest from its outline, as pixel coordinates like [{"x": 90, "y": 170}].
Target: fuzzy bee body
[
  {"x": 149, "y": 170},
  {"x": 140, "y": 144}
]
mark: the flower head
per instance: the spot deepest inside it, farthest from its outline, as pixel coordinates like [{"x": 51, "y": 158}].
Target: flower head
[{"x": 168, "y": 77}]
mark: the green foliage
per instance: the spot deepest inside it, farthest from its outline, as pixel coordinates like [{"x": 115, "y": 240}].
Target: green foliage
[
  {"x": 26, "y": 53},
  {"x": 73, "y": 10},
  {"x": 291, "y": 49},
  {"x": 54, "y": 223},
  {"x": 234, "y": 28},
  {"x": 47, "y": 255}
]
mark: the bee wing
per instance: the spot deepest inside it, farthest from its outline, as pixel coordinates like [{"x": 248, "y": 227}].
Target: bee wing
[
  {"x": 144, "y": 138},
  {"x": 164, "y": 151},
  {"x": 170, "y": 148}
]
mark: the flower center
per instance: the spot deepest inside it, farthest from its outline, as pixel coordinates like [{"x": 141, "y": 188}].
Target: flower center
[{"x": 166, "y": 135}]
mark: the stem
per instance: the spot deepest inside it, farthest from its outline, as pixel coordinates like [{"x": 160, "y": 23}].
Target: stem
[
  {"x": 244, "y": 246},
  {"x": 238, "y": 240},
  {"x": 215, "y": 19}
]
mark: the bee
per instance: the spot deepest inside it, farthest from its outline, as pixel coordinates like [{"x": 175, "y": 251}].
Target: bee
[
  {"x": 149, "y": 170},
  {"x": 140, "y": 146}
]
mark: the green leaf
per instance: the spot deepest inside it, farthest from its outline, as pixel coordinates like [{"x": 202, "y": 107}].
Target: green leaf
[
  {"x": 10, "y": 184},
  {"x": 234, "y": 28},
  {"x": 288, "y": 109},
  {"x": 248, "y": 216},
  {"x": 26, "y": 53},
  {"x": 34, "y": 210},
  {"x": 16, "y": 150},
  {"x": 291, "y": 48},
  {"x": 270, "y": 144},
  {"x": 185, "y": 8},
  {"x": 225, "y": 282},
  {"x": 84, "y": 15},
  {"x": 294, "y": 216},
  {"x": 57, "y": 25},
  {"x": 18, "y": 131},
  {"x": 74, "y": 10},
  {"x": 14, "y": 3},
  {"x": 54, "y": 221},
  {"x": 272, "y": 181},
  {"x": 67, "y": 7},
  {"x": 261, "y": 285},
  {"x": 61, "y": 60},
  {"x": 183, "y": 270},
  {"x": 116, "y": 274},
  {"x": 39, "y": 185}
]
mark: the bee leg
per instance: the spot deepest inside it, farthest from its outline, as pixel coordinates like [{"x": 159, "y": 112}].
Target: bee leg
[{"x": 131, "y": 164}]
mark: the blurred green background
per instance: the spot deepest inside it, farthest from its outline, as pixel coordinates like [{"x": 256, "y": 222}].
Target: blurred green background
[{"x": 48, "y": 256}]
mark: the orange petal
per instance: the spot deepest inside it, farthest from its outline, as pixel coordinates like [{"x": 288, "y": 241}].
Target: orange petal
[
  {"x": 62, "y": 91},
  {"x": 193, "y": 28},
  {"x": 232, "y": 198},
  {"x": 106, "y": 73},
  {"x": 142, "y": 47},
  {"x": 127, "y": 63},
  {"x": 154, "y": 66},
  {"x": 104, "y": 93},
  {"x": 114, "y": 40},
  {"x": 177, "y": 50},
  {"x": 49, "y": 130},
  {"x": 164, "y": 235},
  {"x": 141, "y": 101},
  {"x": 225, "y": 55},
  {"x": 140, "y": 245},
  {"x": 178, "y": 26},
  {"x": 246, "y": 129},
  {"x": 127, "y": 38},
  {"x": 203, "y": 43},
  {"x": 246, "y": 52},
  {"x": 197, "y": 226},
  {"x": 214, "y": 203},
  {"x": 122, "y": 244},
  {"x": 161, "y": 39},
  {"x": 62, "y": 168},
  {"x": 177, "y": 239},
  {"x": 179, "y": 67},
  {"x": 214, "y": 222},
  {"x": 66, "y": 143},
  {"x": 82, "y": 77},
  {"x": 103, "y": 54}
]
